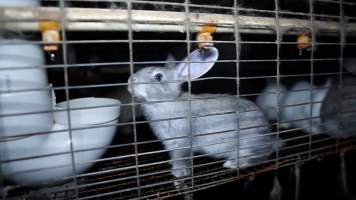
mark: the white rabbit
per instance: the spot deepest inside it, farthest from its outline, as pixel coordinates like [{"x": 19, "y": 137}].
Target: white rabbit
[
  {"x": 214, "y": 121},
  {"x": 268, "y": 100},
  {"x": 297, "y": 109}
]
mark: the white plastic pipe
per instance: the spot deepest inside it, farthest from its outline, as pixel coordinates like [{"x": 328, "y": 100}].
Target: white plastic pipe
[
  {"x": 20, "y": 3},
  {"x": 30, "y": 170},
  {"x": 20, "y": 66},
  {"x": 27, "y": 158}
]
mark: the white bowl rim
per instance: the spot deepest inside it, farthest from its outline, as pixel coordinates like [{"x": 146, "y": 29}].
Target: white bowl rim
[{"x": 98, "y": 101}]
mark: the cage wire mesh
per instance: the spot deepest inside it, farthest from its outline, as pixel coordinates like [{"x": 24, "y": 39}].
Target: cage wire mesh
[{"x": 75, "y": 109}]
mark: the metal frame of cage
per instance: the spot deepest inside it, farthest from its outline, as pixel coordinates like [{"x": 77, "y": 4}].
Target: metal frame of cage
[{"x": 152, "y": 179}]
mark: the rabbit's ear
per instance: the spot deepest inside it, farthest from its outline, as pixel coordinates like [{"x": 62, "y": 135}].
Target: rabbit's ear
[
  {"x": 170, "y": 61},
  {"x": 200, "y": 62}
]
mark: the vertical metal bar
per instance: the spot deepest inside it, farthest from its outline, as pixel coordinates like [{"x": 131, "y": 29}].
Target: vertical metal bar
[
  {"x": 237, "y": 49},
  {"x": 343, "y": 175},
  {"x": 341, "y": 61},
  {"x": 313, "y": 47},
  {"x": 130, "y": 37},
  {"x": 187, "y": 26},
  {"x": 66, "y": 85},
  {"x": 2, "y": 188},
  {"x": 278, "y": 63},
  {"x": 297, "y": 180}
]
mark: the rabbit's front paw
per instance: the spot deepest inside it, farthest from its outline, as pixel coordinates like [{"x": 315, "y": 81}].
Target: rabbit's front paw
[
  {"x": 178, "y": 173},
  {"x": 182, "y": 186}
]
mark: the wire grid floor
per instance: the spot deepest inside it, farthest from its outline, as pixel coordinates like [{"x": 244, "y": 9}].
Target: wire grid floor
[{"x": 156, "y": 182}]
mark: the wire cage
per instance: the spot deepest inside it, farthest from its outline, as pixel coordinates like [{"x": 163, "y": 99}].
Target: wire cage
[{"x": 76, "y": 124}]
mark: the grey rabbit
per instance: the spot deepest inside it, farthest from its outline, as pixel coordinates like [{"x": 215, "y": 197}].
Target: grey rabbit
[{"x": 215, "y": 118}]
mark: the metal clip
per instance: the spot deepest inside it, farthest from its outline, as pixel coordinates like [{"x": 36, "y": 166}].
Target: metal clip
[
  {"x": 204, "y": 36},
  {"x": 304, "y": 42}
]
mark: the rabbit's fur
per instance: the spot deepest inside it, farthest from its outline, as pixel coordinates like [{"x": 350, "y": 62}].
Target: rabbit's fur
[
  {"x": 269, "y": 98},
  {"x": 298, "y": 109},
  {"x": 214, "y": 117},
  {"x": 295, "y": 105}
]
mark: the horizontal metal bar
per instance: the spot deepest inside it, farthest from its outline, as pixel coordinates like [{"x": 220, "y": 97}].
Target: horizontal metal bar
[
  {"x": 184, "y": 41},
  {"x": 125, "y": 69},
  {"x": 86, "y": 19}
]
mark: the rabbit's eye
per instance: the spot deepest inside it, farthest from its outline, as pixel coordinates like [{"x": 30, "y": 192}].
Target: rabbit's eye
[{"x": 158, "y": 76}]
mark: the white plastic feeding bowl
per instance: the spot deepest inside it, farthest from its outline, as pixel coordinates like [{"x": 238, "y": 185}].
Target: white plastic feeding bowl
[
  {"x": 37, "y": 145},
  {"x": 48, "y": 157},
  {"x": 86, "y": 111}
]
